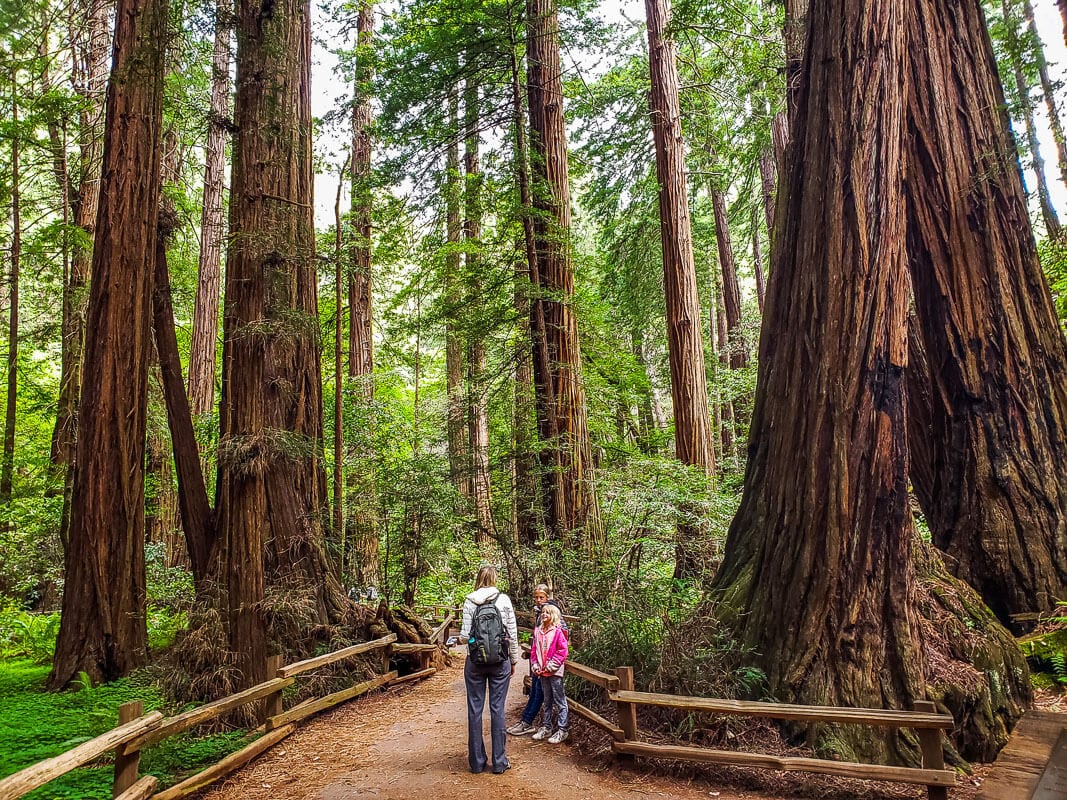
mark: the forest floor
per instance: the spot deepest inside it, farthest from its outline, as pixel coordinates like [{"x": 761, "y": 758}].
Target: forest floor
[{"x": 411, "y": 743}]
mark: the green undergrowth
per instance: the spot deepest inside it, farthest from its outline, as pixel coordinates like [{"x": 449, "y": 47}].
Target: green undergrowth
[{"x": 36, "y": 724}]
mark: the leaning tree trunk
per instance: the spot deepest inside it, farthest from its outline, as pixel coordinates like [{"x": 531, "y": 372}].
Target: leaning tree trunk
[
  {"x": 1048, "y": 89},
  {"x": 212, "y": 227},
  {"x": 685, "y": 340},
  {"x": 361, "y": 525},
  {"x": 992, "y": 487},
  {"x": 571, "y": 505},
  {"x": 818, "y": 559},
  {"x": 272, "y": 502},
  {"x": 1062, "y": 5},
  {"x": 103, "y": 624}
]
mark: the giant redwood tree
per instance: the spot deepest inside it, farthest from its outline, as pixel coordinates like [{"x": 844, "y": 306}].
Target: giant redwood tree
[
  {"x": 566, "y": 454},
  {"x": 991, "y": 482},
  {"x": 103, "y": 623},
  {"x": 685, "y": 340},
  {"x": 272, "y": 484},
  {"x": 818, "y": 559}
]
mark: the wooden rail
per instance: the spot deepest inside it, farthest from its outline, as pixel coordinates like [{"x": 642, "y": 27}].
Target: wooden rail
[{"x": 135, "y": 732}]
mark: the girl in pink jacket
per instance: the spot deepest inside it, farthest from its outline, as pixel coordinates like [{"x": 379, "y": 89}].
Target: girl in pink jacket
[{"x": 547, "y": 656}]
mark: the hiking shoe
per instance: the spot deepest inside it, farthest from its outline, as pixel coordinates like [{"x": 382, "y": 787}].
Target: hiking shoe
[
  {"x": 521, "y": 728},
  {"x": 542, "y": 733},
  {"x": 557, "y": 737}
]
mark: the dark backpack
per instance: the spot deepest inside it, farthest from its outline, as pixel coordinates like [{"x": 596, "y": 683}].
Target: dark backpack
[{"x": 488, "y": 644}]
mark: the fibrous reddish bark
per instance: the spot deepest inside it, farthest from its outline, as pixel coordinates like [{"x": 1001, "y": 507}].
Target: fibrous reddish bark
[
  {"x": 991, "y": 484},
  {"x": 103, "y": 625},
  {"x": 567, "y": 464},
  {"x": 7, "y": 469},
  {"x": 818, "y": 559},
  {"x": 272, "y": 485}
]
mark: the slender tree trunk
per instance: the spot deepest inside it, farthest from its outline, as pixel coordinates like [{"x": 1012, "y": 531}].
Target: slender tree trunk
[
  {"x": 824, "y": 590},
  {"x": 737, "y": 350},
  {"x": 1062, "y": 5},
  {"x": 1049, "y": 90},
  {"x": 272, "y": 500},
  {"x": 1026, "y": 108},
  {"x": 362, "y": 528},
  {"x": 90, "y": 46},
  {"x": 458, "y": 453},
  {"x": 212, "y": 224},
  {"x": 573, "y": 509},
  {"x": 768, "y": 186},
  {"x": 645, "y": 415},
  {"x": 8, "y": 468},
  {"x": 685, "y": 341},
  {"x": 477, "y": 413},
  {"x": 103, "y": 625},
  {"x": 757, "y": 260},
  {"x": 992, "y": 486},
  {"x": 726, "y": 405},
  {"x": 531, "y": 333},
  {"x": 339, "y": 376}
]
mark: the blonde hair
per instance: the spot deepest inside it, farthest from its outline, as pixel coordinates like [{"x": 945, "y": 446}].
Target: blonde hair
[
  {"x": 551, "y": 613},
  {"x": 486, "y": 577},
  {"x": 542, "y": 588}
]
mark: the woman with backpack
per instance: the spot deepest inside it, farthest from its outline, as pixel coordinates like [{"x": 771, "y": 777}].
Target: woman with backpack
[{"x": 492, "y": 639}]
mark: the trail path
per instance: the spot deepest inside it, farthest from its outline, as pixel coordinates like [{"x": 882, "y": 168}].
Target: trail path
[{"x": 411, "y": 743}]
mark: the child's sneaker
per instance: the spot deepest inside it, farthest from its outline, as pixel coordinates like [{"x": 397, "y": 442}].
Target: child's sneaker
[
  {"x": 542, "y": 733},
  {"x": 557, "y": 737},
  {"x": 521, "y": 728}
]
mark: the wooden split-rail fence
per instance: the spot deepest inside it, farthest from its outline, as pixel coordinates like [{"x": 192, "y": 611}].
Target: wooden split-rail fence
[
  {"x": 137, "y": 731},
  {"x": 627, "y": 740}
]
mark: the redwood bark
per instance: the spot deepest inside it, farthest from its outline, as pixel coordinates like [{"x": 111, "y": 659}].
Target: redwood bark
[
  {"x": 994, "y": 491},
  {"x": 103, "y": 625},
  {"x": 362, "y": 530},
  {"x": 757, "y": 261},
  {"x": 477, "y": 413},
  {"x": 818, "y": 559},
  {"x": 571, "y": 507},
  {"x": 272, "y": 485},
  {"x": 212, "y": 225}
]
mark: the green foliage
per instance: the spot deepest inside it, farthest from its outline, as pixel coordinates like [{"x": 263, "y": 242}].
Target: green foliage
[
  {"x": 25, "y": 634},
  {"x": 36, "y": 724},
  {"x": 1046, "y": 648}
]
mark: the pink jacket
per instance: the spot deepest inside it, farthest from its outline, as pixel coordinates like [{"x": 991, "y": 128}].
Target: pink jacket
[{"x": 555, "y": 652}]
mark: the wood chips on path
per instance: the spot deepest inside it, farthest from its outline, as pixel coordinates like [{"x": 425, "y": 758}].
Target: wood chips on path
[{"x": 411, "y": 743}]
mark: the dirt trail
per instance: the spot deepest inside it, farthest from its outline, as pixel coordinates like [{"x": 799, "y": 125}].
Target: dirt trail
[{"x": 411, "y": 743}]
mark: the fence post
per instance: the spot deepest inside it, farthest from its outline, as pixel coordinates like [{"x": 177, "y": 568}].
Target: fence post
[
  {"x": 933, "y": 755},
  {"x": 126, "y": 766},
  {"x": 627, "y": 711},
  {"x": 272, "y": 703},
  {"x": 385, "y": 658}
]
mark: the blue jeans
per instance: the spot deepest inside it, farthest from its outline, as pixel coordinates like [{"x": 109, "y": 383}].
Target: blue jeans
[
  {"x": 533, "y": 705},
  {"x": 496, "y": 680},
  {"x": 556, "y": 710}
]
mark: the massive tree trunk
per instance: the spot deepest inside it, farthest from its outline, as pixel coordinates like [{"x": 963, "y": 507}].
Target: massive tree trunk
[
  {"x": 103, "y": 625},
  {"x": 477, "y": 412},
  {"x": 818, "y": 559},
  {"x": 685, "y": 340},
  {"x": 1026, "y": 108},
  {"x": 90, "y": 40},
  {"x": 571, "y": 506},
  {"x": 7, "y": 469},
  {"x": 212, "y": 226},
  {"x": 362, "y": 529},
  {"x": 994, "y": 491},
  {"x": 272, "y": 485}
]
